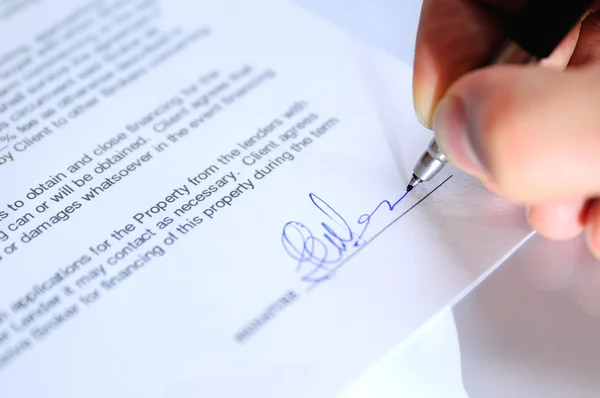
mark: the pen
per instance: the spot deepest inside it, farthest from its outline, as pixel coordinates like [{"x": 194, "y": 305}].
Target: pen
[{"x": 531, "y": 36}]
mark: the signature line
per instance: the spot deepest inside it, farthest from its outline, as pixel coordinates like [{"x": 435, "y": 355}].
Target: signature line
[{"x": 351, "y": 256}]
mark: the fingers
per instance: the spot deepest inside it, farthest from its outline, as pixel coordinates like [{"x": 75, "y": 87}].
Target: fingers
[
  {"x": 530, "y": 135},
  {"x": 534, "y": 132},
  {"x": 559, "y": 221},
  {"x": 567, "y": 220},
  {"x": 454, "y": 37}
]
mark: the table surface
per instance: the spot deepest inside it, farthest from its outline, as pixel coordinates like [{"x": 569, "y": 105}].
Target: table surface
[{"x": 524, "y": 332}]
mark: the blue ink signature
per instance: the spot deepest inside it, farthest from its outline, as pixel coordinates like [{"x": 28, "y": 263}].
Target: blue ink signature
[{"x": 318, "y": 255}]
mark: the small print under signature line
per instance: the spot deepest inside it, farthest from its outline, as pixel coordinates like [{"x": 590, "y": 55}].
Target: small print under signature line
[{"x": 319, "y": 256}]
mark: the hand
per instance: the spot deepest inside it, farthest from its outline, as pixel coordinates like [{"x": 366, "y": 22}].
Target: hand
[{"x": 531, "y": 134}]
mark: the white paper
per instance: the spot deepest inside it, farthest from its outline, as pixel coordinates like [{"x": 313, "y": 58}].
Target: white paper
[{"x": 109, "y": 298}]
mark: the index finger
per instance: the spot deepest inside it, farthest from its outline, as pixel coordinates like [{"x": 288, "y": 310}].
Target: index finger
[{"x": 454, "y": 37}]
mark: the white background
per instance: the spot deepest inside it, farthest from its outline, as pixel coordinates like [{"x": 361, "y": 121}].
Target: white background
[{"x": 523, "y": 332}]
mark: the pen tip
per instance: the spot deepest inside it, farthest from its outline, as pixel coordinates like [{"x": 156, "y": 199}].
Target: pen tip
[{"x": 413, "y": 183}]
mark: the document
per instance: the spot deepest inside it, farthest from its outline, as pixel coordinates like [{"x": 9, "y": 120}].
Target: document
[{"x": 207, "y": 199}]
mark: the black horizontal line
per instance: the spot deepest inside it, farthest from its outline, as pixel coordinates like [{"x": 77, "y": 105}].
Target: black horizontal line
[{"x": 351, "y": 256}]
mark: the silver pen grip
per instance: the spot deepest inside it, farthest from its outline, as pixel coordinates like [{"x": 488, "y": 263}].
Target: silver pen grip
[{"x": 431, "y": 163}]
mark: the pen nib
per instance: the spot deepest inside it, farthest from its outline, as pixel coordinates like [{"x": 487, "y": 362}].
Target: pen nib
[{"x": 413, "y": 183}]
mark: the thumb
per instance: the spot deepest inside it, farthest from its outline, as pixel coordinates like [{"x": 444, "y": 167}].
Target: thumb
[{"x": 534, "y": 133}]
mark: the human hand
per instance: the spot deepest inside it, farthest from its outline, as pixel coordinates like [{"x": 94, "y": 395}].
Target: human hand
[{"x": 531, "y": 135}]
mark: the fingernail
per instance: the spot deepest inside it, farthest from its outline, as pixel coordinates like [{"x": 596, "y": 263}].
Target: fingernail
[
  {"x": 422, "y": 119},
  {"x": 455, "y": 135},
  {"x": 423, "y": 98}
]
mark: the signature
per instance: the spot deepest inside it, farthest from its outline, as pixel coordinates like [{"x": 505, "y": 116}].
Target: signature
[{"x": 318, "y": 254}]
